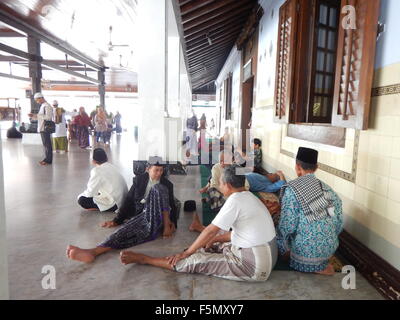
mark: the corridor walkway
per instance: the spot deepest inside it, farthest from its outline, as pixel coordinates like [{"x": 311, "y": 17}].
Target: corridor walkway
[{"x": 43, "y": 218}]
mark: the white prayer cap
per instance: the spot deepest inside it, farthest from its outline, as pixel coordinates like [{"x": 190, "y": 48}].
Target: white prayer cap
[
  {"x": 38, "y": 95},
  {"x": 55, "y": 103}
]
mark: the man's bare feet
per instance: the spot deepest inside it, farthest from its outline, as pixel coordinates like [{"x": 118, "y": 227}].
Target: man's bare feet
[
  {"x": 169, "y": 230},
  {"x": 109, "y": 224},
  {"x": 203, "y": 190},
  {"x": 329, "y": 271},
  {"x": 78, "y": 254},
  {"x": 196, "y": 225},
  {"x": 129, "y": 257}
]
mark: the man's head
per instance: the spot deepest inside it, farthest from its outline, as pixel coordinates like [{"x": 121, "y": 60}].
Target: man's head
[
  {"x": 231, "y": 182},
  {"x": 306, "y": 161},
  {"x": 39, "y": 98},
  {"x": 257, "y": 143},
  {"x": 155, "y": 168},
  {"x": 99, "y": 156},
  {"x": 55, "y": 104}
]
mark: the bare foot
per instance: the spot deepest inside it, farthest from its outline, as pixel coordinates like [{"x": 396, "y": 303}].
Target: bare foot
[
  {"x": 129, "y": 257},
  {"x": 78, "y": 254},
  {"x": 196, "y": 225},
  {"x": 329, "y": 271},
  {"x": 169, "y": 230}
]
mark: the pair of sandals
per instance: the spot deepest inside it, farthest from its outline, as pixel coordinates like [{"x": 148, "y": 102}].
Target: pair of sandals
[{"x": 44, "y": 163}]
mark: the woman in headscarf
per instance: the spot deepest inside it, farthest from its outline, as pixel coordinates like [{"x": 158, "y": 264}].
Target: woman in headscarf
[
  {"x": 83, "y": 123},
  {"x": 60, "y": 141},
  {"x": 100, "y": 121}
]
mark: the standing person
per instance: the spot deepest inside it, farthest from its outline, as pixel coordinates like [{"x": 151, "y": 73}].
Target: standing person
[
  {"x": 117, "y": 120},
  {"x": 192, "y": 126},
  {"x": 45, "y": 114},
  {"x": 60, "y": 140},
  {"x": 83, "y": 123},
  {"x": 311, "y": 218},
  {"x": 100, "y": 127}
]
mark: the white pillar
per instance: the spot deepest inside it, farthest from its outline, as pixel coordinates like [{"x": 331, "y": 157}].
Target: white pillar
[
  {"x": 152, "y": 71},
  {"x": 4, "y": 295}
]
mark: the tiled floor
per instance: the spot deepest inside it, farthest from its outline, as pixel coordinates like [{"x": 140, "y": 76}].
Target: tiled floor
[{"x": 43, "y": 218}]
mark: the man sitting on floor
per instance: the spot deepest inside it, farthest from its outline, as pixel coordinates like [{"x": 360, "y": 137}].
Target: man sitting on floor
[
  {"x": 136, "y": 200},
  {"x": 13, "y": 132},
  {"x": 247, "y": 253},
  {"x": 106, "y": 188},
  {"x": 154, "y": 219},
  {"x": 311, "y": 218}
]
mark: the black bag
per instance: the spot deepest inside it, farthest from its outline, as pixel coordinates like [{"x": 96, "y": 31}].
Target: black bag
[{"x": 49, "y": 126}]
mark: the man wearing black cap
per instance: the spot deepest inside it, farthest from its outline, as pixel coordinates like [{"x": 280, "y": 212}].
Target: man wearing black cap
[
  {"x": 311, "y": 218},
  {"x": 106, "y": 188}
]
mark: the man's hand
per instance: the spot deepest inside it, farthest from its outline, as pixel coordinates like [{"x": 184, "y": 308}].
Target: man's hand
[
  {"x": 281, "y": 175},
  {"x": 173, "y": 260},
  {"x": 109, "y": 224}
]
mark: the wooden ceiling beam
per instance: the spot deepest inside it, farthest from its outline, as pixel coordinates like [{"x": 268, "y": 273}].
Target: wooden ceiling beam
[
  {"x": 215, "y": 43},
  {"x": 214, "y": 55},
  {"x": 230, "y": 10},
  {"x": 220, "y": 43},
  {"x": 206, "y": 61},
  {"x": 190, "y": 6},
  {"x": 231, "y": 16},
  {"x": 218, "y": 28},
  {"x": 214, "y": 37},
  {"x": 207, "y": 10},
  {"x": 206, "y": 67},
  {"x": 208, "y": 54}
]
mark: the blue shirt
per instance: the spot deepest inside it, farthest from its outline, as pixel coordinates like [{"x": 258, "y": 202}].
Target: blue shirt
[{"x": 260, "y": 183}]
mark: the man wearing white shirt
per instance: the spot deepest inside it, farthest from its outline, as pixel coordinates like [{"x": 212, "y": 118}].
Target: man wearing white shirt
[
  {"x": 45, "y": 114},
  {"x": 247, "y": 253},
  {"x": 106, "y": 189}
]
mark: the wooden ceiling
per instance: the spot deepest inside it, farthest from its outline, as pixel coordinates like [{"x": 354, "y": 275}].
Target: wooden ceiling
[{"x": 210, "y": 29}]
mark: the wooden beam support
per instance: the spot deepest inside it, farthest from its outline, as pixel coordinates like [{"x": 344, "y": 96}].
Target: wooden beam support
[
  {"x": 214, "y": 35},
  {"x": 190, "y": 6},
  {"x": 217, "y": 43},
  {"x": 207, "y": 10},
  {"x": 230, "y": 40},
  {"x": 225, "y": 25},
  {"x": 232, "y": 15},
  {"x": 59, "y": 44},
  {"x": 215, "y": 54},
  {"x": 226, "y": 12},
  {"x": 206, "y": 55},
  {"x": 10, "y": 76},
  {"x": 54, "y": 66}
]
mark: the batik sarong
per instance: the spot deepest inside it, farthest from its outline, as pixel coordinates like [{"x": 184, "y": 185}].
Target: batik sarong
[{"x": 146, "y": 226}]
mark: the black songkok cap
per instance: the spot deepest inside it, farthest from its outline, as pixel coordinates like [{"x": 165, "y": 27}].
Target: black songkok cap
[
  {"x": 189, "y": 206},
  {"x": 100, "y": 156},
  {"x": 306, "y": 155},
  {"x": 155, "y": 161}
]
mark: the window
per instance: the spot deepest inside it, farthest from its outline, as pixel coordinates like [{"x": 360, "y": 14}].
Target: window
[
  {"x": 228, "y": 97},
  {"x": 325, "y": 71}
]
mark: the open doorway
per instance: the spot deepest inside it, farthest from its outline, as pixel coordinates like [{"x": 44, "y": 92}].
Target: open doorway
[{"x": 247, "y": 107}]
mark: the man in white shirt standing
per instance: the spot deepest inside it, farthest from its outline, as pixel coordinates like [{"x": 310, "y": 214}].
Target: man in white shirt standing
[
  {"x": 45, "y": 114},
  {"x": 247, "y": 253},
  {"x": 106, "y": 189}
]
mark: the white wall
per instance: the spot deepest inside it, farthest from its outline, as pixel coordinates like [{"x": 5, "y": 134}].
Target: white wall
[{"x": 3, "y": 247}]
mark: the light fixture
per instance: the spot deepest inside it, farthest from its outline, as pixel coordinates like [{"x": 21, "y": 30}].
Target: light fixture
[{"x": 209, "y": 39}]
